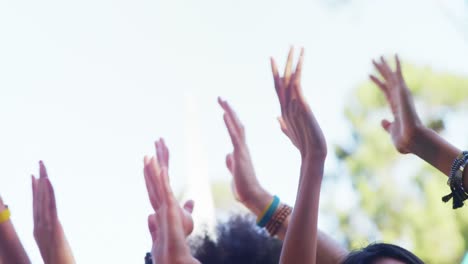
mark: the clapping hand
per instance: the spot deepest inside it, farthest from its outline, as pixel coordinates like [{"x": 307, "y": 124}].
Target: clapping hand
[
  {"x": 48, "y": 231},
  {"x": 170, "y": 224}
]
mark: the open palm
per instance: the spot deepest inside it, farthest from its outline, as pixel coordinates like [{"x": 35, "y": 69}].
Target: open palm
[
  {"x": 406, "y": 121},
  {"x": 170, "y": 224},
  {"x": 48, "y": 231},
  {"x": 245, "y": 185}
]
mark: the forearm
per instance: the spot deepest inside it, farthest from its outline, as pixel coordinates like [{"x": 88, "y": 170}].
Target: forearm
[
  {"x": 436, "y": 151},
  {"x": 65, "y": 254},
  {"x": 300, "y": 244},
  {"x": 328, "y": 250},
  {"x": 10, "y": 245},
  {"x": 53, "y": 245}
]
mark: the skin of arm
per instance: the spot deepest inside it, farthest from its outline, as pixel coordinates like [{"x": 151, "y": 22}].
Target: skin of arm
[
  {"x": 11, "y": 249},
  {"x": 408, "y": 133},
  {"x": 170, "y": 224},
  {"x": 301, "y": 127},
  {"x": 248, "y": 190},
  {"x": 48, "y": 231}
]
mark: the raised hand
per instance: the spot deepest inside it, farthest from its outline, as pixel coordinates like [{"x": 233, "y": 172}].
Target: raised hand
[
  {"x": 170, "y": 224},
  {"x": 245, "y": 185},
  {"x": 406, "y": 124},
  {"x": 299, "y": 124},
  {"x": 48, "y": 231},
  {"x": 297, "y": 120}
]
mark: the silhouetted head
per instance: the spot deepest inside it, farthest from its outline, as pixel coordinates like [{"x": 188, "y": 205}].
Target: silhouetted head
[
  {"x": 239, "y": 240},
  {"x": 382, "y": 253}
]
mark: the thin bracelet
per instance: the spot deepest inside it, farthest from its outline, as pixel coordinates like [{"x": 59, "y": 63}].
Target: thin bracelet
[
  {"x": 268, "y": 212},
  {"x": 5, "y": 215}
]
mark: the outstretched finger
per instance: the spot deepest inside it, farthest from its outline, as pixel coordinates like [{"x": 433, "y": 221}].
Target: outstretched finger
[
  {"x": 41, "y": 202},
  {"x": 289, "y": 93},
  {"x": 235, "y": 138},
  {"x": 150, "y": 182},
  {"x": 233, "y": 116},
  {"x": 297, "y": 78},
  {"x": 51, "y": 204},
  {"x": 380, "y": 69},
  {"x": 35, "y": 199},
  {"x": 279, "y": 87},
  {"x": 386, "y": 68},
  {"x": 42, "y": 170},
  {"x": 300, "y": 62},
  {"x": 288, "y": 69},
  {"x": 162, "y": 153},
  {"x": 167, "y": 194},
  {"x": 380, "y": 84},
  {"x": 398, "y": 66}
]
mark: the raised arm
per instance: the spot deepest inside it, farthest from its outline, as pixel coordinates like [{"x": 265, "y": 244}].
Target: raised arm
[
  {"x": 299, "y": 124},
  {"x": 248, "y": 190},
  {"x": 170, "y": 224},
  {"x": 11, "y": 249},
  {"x": 408, "y": 133},
  {"x": 48, "y": 231}
]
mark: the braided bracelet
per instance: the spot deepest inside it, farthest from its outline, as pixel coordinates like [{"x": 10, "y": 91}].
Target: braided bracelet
[
  {"x": 278, "y": 219},
  {"x": 455, "y": 181}
]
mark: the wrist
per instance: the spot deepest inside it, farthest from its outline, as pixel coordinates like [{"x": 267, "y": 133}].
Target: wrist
[
  {"x": 259, "y": 201},
  {"x": 419, "y": 139},
  {"x": 313, "y": 162},
  {"x": 312, "y": 171}
]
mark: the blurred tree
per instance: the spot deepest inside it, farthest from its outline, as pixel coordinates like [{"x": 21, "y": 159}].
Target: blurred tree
[{"x": 400, "y": 194}]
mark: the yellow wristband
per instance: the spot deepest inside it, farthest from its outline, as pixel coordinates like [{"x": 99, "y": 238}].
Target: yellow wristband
[
  {"x": 5, "y": 215},
  {"x": 260, "y": 216}
]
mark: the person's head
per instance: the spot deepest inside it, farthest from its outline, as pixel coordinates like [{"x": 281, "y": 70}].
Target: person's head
[
  {"x": 239, "y": 240},
  {"x": 382, "y": 253}
]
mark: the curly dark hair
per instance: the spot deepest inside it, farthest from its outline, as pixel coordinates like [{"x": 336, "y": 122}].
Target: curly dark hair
[
  {"x": 239, "y": 240},
  {"x": 376, "y": 251}
]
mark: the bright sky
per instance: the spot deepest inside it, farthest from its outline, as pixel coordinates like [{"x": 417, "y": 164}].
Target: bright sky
[{"x": 87, "y": 86}]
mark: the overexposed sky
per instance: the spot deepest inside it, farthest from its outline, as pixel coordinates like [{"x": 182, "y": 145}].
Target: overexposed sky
[{"x": 87, "y": 86}]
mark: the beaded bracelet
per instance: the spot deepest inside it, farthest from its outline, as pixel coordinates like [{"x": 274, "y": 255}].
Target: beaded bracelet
[
  {"x": 455, "y": 181},
  {"x": 278, "y": 219},
  {"x": 266, "y": 215}
]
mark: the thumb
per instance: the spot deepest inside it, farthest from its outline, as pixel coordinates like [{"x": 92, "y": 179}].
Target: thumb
[
  {"x": 234, "y": 190},
  {"x": 283, "y": 126},
  {"x": 229, "y": 162},
  {"x": 152, "y": 226},
  {"x": 188, "y": 206},
  {"x": 386, "y": 125}
]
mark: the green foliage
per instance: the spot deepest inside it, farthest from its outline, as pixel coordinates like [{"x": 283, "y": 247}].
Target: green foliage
[{"x": 404, "y": 207}]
